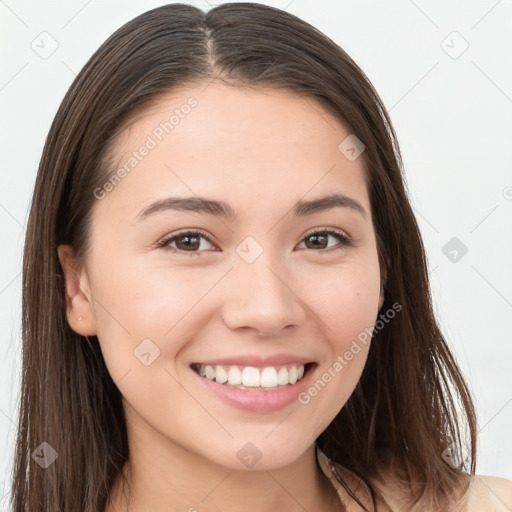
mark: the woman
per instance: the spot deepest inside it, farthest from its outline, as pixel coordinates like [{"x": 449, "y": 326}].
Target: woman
[{"x": 226, "y": 301}]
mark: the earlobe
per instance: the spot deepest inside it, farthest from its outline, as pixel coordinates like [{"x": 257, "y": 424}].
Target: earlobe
[{"x": 79, "y": 310}]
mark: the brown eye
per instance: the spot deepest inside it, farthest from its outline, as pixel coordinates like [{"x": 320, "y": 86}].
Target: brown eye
[
  {"x": 186, "y": 242},
  {"x": 320, "y": 240},
  {"x": 189, "y": 242}
]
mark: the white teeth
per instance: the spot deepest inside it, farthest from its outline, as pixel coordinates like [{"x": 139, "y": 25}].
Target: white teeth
[
  {"x": 269, "y": 377},
  {"x": 221, "y": 375},
  {"x": 209, "y": 372},
  {"x": 234, "y": 376},
  {"x": 282, "y": 376},
  {"x": 250, "y": 377}
]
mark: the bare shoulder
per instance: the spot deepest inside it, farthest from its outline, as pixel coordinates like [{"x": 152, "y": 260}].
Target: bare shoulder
[{"x": 490, "y": 494}]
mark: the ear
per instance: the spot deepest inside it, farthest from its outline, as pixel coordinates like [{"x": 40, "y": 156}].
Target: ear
[{"x": 79, "y": 308}]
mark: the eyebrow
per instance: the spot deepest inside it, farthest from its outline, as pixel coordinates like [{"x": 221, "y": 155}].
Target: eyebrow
[{"x": 216, "y": 208}]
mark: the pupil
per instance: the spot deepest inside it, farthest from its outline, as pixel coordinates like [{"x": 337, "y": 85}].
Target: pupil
[
  {"x": 187, "y": 240},
  {"x": 317, "y": 237}
]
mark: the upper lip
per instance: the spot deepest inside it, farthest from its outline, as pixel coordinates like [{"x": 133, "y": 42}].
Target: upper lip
[{"x": 257, "y": 361}]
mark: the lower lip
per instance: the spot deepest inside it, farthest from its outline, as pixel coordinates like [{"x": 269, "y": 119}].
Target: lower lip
[{"x": 258, "y": 401}]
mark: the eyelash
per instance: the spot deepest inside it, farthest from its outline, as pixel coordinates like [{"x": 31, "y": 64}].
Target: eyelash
[{"x": 341, "y": 237}]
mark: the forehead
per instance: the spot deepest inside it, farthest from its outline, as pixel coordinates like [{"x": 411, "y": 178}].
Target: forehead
[{"x": 234, "y": 143}]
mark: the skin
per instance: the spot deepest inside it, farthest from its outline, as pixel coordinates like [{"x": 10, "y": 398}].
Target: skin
[{"x": 261, "y": 151}]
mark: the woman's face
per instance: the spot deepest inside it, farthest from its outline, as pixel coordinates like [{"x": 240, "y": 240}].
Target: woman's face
[{"x": 258, "y": 299}]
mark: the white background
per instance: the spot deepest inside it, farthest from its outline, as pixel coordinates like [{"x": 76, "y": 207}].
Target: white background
[{"x": 453, "y": 115}]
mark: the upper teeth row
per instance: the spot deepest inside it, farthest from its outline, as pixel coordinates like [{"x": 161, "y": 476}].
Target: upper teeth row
[{"x": 250, "y": 376}]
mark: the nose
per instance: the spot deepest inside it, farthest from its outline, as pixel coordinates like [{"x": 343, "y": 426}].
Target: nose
[{"x": 262, "y": 298}]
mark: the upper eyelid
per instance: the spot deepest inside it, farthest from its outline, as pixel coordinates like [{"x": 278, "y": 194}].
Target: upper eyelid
[{"x": 320, "y": 230}]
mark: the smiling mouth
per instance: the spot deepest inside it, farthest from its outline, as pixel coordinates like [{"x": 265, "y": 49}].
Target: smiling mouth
[{"x": 268, "y": 378}]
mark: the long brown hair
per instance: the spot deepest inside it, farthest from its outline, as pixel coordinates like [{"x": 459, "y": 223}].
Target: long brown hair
[{"x": 411, "y": 406}]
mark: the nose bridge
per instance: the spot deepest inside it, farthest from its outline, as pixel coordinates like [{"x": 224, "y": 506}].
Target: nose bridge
[{"x": 262, "y": 295}]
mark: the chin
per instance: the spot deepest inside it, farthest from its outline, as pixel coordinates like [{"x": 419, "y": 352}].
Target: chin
[{"x": 261, "y": 452}]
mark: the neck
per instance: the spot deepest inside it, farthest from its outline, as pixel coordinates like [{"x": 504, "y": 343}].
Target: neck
[{"x": 178, "y": 480}]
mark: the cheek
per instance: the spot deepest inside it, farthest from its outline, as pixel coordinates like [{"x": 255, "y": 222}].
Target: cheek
[
  {"x": 346, "y": 304},
  {"x": 346, "y": 301},
  {"x": 142, "y": 325},
  {"x": 146, "y": 301},
  {"x": 143, "y": 311}
]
